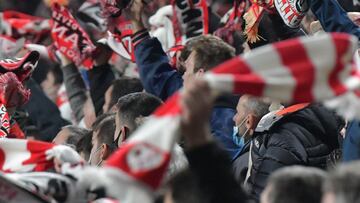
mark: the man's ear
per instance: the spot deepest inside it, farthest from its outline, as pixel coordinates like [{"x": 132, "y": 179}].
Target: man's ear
[
  {"x": 251, "y": 122},
  {"x": 105, "y": 151},
  {"x": 125, "y": 133}
]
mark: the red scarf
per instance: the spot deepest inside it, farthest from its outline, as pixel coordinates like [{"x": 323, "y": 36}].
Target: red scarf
[
  {"x": 17, "y": 25},
  {"x": 69, "y": 38}
]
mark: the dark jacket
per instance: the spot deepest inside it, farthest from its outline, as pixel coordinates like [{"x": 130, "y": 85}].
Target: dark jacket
[
  {"x": 351, "y": 147},
  {"x": 75, "y": 89},
  {"x": 101, "y": 78},
  {"x": 333, "y": 18},
  {"x": 305, "y": 137},
  {"x": 241, "y": 164},
  {"x": 43, "y": 113},
  {"x": 212, "y": 167},
  {"x": 162, "y": 80}
]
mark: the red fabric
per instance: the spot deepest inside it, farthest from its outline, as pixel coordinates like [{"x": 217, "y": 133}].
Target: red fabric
[
  {"x": 12, "y": 92},
  {"x": 4, "y": 121},
  {"x": 31, "y": 155},
  {"x": 233, "y": 23},
  {"x": 69, "y": 38},
  {"x": 113, "y": 8},
  {"x": 9, "y": 128},
  {"x": 38, "y": 156},
  {"x": 305, "y": 77},
  {"x": 123, "y": 35},
  {"x": 23, "y": 25},
  {"x": 133, "y": 159},
  {"x": 22, "y": 67},
  {"x": 334, "y": 80}
]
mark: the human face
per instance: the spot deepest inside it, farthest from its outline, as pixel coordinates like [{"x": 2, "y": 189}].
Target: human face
[
  {"x": 108, "y": 93},
  {"x": 189, "y": 74},
  {"x": 95, "y": 155},
  {"x": 241, "y": 118}
]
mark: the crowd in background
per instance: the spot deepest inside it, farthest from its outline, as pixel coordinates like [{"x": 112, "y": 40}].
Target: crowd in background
[{"x": 231, "y": 147}]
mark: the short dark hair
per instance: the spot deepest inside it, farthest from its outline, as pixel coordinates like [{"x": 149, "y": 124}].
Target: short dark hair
[
  {"x": 105, "y": 125},
  {"x": 185, "y": 187},
  {"x": 84, "y": 145},
  {"x": 296, "y": 184},
  {"x": 123, "y": 86},
  {"x": 344, "y": 183},
  {"x": 134, "y": 105},
  {"x": 210, "y": 52},
  {"x": 75, "y": 134}
]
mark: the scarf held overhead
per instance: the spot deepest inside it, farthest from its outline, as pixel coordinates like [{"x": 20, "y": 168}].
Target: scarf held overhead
[
  {"x": 69, "y": 38},
  {"x": 299, "y": 70}
]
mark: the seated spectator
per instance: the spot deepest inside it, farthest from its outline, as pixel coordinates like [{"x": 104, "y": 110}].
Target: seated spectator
[
  {"x": 249, "y": 112},
  {"x": 131, "y": 108},
  {"x": 70, "y": 135},
  {"x": 294, "y": 184},
  {"x": 209, "y": 178},
  {"x": 343, "y": 184},
  {"x": 83, "y": 147},
  {"x": 302, "y": 134},
  {"x": 102, "y": 139}
]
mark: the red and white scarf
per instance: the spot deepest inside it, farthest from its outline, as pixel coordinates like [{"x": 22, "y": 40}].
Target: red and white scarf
[
  {"x": 69, "y": 38},
  {"x": 19, "y": 155},
  {"x": 15, "y": 24},
  {"x": 299, "y": 70},
  {"x": 190, "y": 19}
]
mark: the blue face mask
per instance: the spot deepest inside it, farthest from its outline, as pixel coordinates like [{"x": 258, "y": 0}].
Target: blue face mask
[{"x": 237, "y": 139}]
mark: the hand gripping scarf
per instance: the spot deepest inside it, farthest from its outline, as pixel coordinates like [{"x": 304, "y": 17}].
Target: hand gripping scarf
[{"x": 69, "y": 38}]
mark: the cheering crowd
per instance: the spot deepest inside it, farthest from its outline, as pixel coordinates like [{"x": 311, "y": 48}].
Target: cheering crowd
[{"x": 179, "y": 101}]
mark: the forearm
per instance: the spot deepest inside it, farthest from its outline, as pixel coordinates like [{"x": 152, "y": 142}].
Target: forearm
[
  {"x": 156, "y": 73},
  {"x": 76, "y": 90},
  {"x": 333, "y": 18}
]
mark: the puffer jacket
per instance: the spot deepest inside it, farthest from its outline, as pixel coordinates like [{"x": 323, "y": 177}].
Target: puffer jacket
[{"x": 304, "y": 137}]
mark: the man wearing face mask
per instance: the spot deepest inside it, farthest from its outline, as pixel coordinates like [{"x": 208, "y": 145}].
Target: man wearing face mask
[
  {"x": 249, "y": 112},
  {"x": 102, "y": 138}
]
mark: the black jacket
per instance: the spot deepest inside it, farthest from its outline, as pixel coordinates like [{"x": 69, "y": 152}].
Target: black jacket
[
  {"x": 43, "y": 113},
  {"x": 212, "y": 167},
  {"x": 305, "y": 137}
]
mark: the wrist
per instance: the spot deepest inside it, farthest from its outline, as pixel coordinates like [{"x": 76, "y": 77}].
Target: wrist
[{"x": 137, "y": 25}]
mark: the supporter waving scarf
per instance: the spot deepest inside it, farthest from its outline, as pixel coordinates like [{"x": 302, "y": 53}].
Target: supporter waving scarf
[
  {"x": 295, "y": 71},
  {"x": 69, "y": 38},
  {"x": 15, "y": 24}
]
